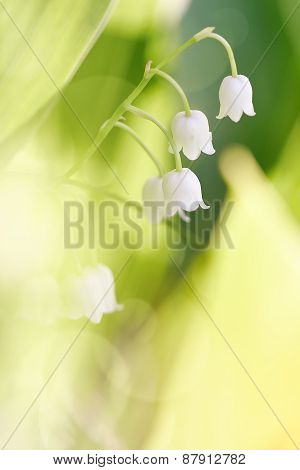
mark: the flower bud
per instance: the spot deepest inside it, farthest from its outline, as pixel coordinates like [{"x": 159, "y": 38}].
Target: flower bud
[
  {"x": 191, "y": 134},
  {"x": 182, "y": 190},
  {"x": 236, "y": 98},
  {"x": 93, "y": 293}
]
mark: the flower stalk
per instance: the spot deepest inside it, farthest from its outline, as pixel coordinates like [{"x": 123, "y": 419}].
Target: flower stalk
[
  {"x": 122, "y": 108},
  {"x": 217, "y": 37},
  {"x": 144, "y": 115},
  {"x": 177, "y": 87},
  {"x": 137, "y": 138}
]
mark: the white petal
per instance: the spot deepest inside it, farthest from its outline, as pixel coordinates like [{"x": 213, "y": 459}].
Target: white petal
[
  {"x": 235, "y": 113},
  {"x": 222, "y": 113},
  {"x": 203, "y": 205},
  {"x": 95, "y": 316},
  {"x": 200, "y": 119},
  {"x": 182, "y": 190},
  {"x": 190, "y": 133},
  {"x": 171, "y": 209},
  {"x": 191, "y": 149},
  {"x": 208, "y": 147},
  {"x": 249, "y": 110},
  {"x": 235, "y": 98},
  {"x": 93, "y": 293},
  {"x": 228, "y": 91},
  {"x": 197, "y": 126},
  {"x": 101, "y": 284},
  {"x": 245, "y": 93},
  {"x": 183, "y": 216}
]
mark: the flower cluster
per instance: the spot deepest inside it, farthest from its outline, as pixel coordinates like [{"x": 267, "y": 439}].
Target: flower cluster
[
  {"x": 177, "y": 191},
  {"x": 180, "y": 190}
]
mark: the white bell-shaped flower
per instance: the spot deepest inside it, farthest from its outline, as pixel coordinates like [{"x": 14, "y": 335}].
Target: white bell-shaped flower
[
  {"x": 153, "y": 198},
  {"x": 93, "y": 294},
  {"x": 182, "y": 190},
  {"x": 191, "y": 134},
  {"x": 236, "y": 98}
]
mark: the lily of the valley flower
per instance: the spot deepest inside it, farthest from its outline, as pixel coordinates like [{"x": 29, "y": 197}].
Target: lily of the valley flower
[
  {"x": 182, "y": 191},
  {"x": 154, "y": 201},
  {"x": 191, "y": 134},
  {"x": 236, "y": 98},
  {"x": 93, "y": 293}
]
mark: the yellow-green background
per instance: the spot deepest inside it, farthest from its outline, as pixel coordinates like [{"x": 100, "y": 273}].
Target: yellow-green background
[{"x": 165, "y": 373}]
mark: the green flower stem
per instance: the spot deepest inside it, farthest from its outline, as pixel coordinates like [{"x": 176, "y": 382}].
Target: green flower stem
[
  {"x": 143, "y": 114},
  {"x": 105, "y": 129},
  {"x": 177, "y": 87},
  {"x": 128, "y": 129},
  {"x": 217, "y": 37},
  {"x": 121, "y": 109}
]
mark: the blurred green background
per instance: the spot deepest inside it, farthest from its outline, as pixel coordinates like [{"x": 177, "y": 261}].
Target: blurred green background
[{"x": 206, "y": 354}]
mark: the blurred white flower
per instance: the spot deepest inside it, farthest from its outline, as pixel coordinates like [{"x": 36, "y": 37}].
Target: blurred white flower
[
  {"x": 168, "y": 11},
  {"x": 93, "y": 294},
  {"x": 236, "y": 98},
  {"x": 182, "y": 190},
  {"x": 191, "y": 134},
  {"x": 153, "y": 198}
]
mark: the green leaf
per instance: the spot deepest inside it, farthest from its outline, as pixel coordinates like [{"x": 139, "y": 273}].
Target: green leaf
[{"x": 45, "y": 43}]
